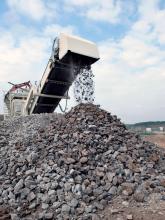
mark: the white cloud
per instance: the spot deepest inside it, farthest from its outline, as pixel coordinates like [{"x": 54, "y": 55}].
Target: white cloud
[
  {"x": 152, "y": 16},
  {"x": 131, "y": 73},
  {"x": 105, "y": 10},
  {"x": 54, "y": 29},
  {"x": 24, "y": 57},
  {"x": 139, "y": 54},
  {"x": 82, "y": 2},
  {"x": 131, "y": 93},
  {"x": 31, "y": 49},
  {"x": 21, "y": 61},
  {"x": 34, "y": 9}
]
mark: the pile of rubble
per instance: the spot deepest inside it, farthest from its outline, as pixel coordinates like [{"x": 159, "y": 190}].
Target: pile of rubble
[{"x": 73, "y": 166}]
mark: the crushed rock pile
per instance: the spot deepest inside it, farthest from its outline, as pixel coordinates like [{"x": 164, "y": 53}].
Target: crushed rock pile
[{"x": 72, "y": 166}]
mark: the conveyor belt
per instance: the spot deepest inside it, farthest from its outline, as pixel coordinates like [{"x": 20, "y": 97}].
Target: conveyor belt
[{"x": 58, "y": 82}]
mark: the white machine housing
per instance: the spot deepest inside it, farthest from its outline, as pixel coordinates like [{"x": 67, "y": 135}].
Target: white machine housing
[{"x": 77, "y": 45}]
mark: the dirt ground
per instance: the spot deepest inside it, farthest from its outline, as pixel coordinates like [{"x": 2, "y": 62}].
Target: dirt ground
[
  {"x": 154, "y": 209},
  {"x": 158, "y": 139}
]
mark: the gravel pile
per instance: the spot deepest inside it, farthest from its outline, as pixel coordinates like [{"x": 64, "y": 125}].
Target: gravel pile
[{"x": 72, "y": 166}]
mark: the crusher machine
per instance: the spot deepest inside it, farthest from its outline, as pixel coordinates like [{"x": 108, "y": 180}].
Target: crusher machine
[{"x": 69, "y": 55}]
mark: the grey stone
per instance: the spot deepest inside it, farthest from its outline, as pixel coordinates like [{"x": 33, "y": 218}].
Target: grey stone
[
  {"x": 56, "y": 205},
  {"x": 32, "y": 205},
  {"x": 98, "y": 205},
  {"x": 45, "y": 206},
  {"x": 31, "y": 196},
  {"x": 41, "y": 215},
  {"x": 110, "y": 176},
  {"x": 70, "y": 160},
  {"x": 46, "y": 179},
  {"x": 115, "y": 211},
  {"x": 78, "y": 179},
  {"x": 139, "y": 197},
  {"x": 51, "y": 192},
  {"x": 129, "y": 217},
  {"x": 24, "y": 192},
  {"x": 54, "y": 185},
  {"x": 49, "y": 215},
  {"x": 11, "y": 195},
  {"x": 45, "y": 198},
  {"x": 18, "y": 186},
  {"x": 39, "y": 178},
  {"x": 68, "y": 186},
  {"x": 89, "y": 209},
  {"x": 113, "y": 190},
  {"x": 30, "y": 172},
  {"x": 65, "y": 209},
  {"x": 95, "y": 217},
  {"x": 83, "y": 159},
  {"x": 14, "y": 216},
  {"x": 80, "y": 210},
  {"x": 74, "y": 203}
]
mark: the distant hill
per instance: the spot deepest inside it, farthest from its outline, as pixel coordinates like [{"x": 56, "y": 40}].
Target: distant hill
[
  {"x": 148, "y": 124},
  {"x": 141, "y": 126}
]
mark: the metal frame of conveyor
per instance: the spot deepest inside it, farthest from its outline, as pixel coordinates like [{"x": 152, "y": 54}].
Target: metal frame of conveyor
[
  {"x": 15, "y": 99},
  {"x": 69, "y": 54}
]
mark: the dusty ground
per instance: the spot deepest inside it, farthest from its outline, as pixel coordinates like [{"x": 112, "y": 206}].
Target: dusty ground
[
  {"x": 158, "y": 139},
  {"x": 154, "y": 209},
  {"x": 4, "y": 213}
]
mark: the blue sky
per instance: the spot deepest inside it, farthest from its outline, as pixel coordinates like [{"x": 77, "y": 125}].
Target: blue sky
[{"x": 130, "y": 34}]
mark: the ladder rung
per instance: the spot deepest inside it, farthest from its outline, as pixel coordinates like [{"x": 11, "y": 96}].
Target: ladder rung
[
  {"x": 52, "y": 96},
  {"x": 59, "y": 82},
  {"x": 42, "y": 104}
]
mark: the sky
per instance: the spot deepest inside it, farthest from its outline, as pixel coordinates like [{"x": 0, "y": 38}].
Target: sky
[{"x": 130, "y": 35}]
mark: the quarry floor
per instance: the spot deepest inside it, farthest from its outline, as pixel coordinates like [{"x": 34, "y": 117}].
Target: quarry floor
[
  {"x": 158, "y": 139},
  {"x": 154, "y": 210}
]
